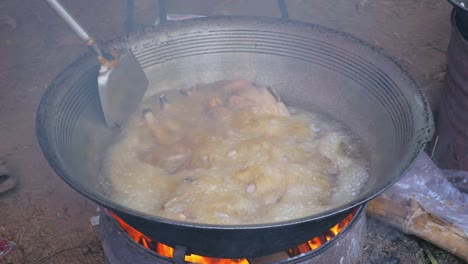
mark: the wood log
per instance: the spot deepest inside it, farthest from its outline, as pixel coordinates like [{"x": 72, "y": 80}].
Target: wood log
[{"x": 410, "y": 218}]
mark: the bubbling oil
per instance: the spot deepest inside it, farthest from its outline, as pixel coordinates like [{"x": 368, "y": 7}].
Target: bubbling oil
[{"x": 232, "y": 153}]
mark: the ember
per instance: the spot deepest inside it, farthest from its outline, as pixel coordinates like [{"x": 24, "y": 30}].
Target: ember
[{"x": 168, "y": 251}]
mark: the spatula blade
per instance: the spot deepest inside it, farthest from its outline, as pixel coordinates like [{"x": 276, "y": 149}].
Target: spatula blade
[{"x": 121, "y": 88}]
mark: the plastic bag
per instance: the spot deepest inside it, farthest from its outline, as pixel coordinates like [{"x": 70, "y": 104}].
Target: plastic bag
[
  {"x": 5, "y": 247},
  {"x": 428, "y": 185}
]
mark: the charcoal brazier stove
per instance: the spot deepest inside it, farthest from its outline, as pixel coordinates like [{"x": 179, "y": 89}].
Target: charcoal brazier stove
[{"x": 124, "y": 246}]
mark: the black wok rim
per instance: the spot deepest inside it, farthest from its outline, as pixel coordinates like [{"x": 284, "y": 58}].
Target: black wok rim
[{"x": 458, "y": 6}]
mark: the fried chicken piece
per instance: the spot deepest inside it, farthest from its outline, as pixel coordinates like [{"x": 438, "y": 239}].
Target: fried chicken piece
[{"x": 244, "y": 94}]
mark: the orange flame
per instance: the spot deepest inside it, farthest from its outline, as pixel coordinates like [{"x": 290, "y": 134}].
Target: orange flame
[
  {"x": 168, "y": 251},
  {"x": 318, "y": 241}
]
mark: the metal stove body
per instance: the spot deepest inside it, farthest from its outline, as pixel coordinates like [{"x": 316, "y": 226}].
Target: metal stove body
[{"x": 345, "y": 248}]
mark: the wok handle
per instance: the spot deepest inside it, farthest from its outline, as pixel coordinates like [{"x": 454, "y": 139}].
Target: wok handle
[{"x": 74, "y": 25}]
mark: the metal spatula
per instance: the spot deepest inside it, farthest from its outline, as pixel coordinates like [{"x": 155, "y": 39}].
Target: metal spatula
[{"x": 121, "y": 81}]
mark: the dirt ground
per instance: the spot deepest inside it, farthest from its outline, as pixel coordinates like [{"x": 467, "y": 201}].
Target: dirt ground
[{"x": 50, "y": 222}]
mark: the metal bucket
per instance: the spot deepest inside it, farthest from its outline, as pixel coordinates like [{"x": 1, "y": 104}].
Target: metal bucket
[{"x": 452, "y": 146}]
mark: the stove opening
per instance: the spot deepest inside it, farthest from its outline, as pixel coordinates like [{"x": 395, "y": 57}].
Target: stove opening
[{"x": 168, "y": 251}]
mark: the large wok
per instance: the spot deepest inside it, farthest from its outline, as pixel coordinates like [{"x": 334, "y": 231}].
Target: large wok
[{"x": 311, "y": 67}]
